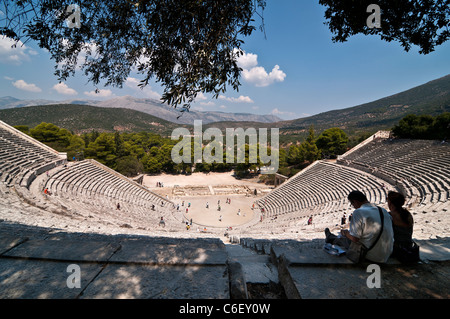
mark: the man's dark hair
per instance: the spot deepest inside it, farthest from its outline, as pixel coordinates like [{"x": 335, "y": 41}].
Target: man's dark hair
[{"x": 357, "y": 195}]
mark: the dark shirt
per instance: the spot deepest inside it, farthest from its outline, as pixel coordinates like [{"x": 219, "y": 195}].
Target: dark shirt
[{"x": 402, "y": 235}]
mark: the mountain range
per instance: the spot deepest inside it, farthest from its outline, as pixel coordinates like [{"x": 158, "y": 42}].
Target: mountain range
[
  {"x": 131, "y": 114},
  {"x": 149, "y": 106}
]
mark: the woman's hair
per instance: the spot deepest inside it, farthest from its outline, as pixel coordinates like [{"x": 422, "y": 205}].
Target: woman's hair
[{"x": 398, "y": 200}]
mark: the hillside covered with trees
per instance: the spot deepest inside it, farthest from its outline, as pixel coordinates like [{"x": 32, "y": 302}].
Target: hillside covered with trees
[
  {"x": 150, "y": 153},
  {"x": 143, "y": 152}
]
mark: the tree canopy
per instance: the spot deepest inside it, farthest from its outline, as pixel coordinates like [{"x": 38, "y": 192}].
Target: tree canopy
[
  {"x": 332, "y": 142},
  {"x": 423, "y": 127},
  {"x": 191, "y": 46},
  {"x": 424, "y": 23}
]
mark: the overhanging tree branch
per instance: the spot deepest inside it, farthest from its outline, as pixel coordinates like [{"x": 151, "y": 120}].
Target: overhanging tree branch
[
  {"x": 424, "y": 23},
  {"x": 187, "y": 46}
]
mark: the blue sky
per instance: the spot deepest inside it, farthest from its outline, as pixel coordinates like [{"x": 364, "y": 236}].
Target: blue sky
[{"x": 295, "y": 71}]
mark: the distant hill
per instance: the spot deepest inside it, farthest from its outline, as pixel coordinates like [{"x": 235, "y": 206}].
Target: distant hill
[
  {"x": 430, "y": 98},
  {"x": 85, "y": 118},
  {"x": 9, "y": 102},
  {"x": 149, "y": 106}
]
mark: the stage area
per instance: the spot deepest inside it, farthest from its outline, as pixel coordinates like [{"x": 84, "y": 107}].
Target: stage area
[{"x": 205, "y": 193}]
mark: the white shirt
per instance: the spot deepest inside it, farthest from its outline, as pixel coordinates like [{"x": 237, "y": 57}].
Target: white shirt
[{"x": 366, "y": 225}]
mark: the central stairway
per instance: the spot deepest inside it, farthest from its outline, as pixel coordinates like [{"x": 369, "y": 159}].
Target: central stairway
[{"x": 254, "y": 269}]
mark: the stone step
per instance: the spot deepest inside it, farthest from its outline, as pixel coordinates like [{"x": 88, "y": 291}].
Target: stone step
[
  {"x": 257, "y": 268},
  {"x": 112, "y": 267}
]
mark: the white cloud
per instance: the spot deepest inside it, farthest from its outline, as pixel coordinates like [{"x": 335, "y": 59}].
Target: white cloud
[
  {"x": 241, "y": 99},
  {"x": 132, "y": 82},
  {"x": 257, "y": 75},
  {"x": 284, "y": 114},
  {"x": 146, "y": 91},
  {"x": 15, "y": 53},
  {"x": 22, "y": 85},
  {"x": 101, "y": 93},
  {"x": 210, "y": 103},
  {"x": 201, "y": 97},
  {"x": 62, "y": 88},
  {"x": 247, "y": 60},
  {"x": 197, "y": 108}
]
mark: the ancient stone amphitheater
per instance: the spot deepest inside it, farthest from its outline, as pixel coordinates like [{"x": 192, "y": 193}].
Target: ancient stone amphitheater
[{"x": 56, "y": 214}]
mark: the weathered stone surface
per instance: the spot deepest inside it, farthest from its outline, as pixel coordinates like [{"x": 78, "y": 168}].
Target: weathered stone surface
[
  {"x": 307, "y": 272},
  {"x": 160, "y": 282},
  {"x": 9, "y": 242},
  {"x": 307, "y": 255},
  {"x": 112, "y": 267},
  {"x": 238, "y": 282},
  {"x": 38, "y": 279},
  {"x": 181, "y": 253},
  {"x": 434, "y": 249},
  {"x": 68, "y": 250},
  {"x": 35, "y": 265},
  {"x": 257, "y": 268}
]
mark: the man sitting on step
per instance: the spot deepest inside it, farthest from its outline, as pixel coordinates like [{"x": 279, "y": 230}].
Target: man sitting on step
[{"x": 365, "y": 227}]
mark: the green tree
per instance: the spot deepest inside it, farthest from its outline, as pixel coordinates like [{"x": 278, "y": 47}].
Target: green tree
[
  {"x": 283, "y": 158},
  {"x": 192, "y": 46},
  {"x": 203, "y": 167},
  {"x": 332, "y": 142},
  {"x": 151, "y": 164},
  {"x": 86, "y": 139},
  {"x": 165, "y": 155},
  {"x": 423, "y": 127},
  {"x": 308, "y": 149},
  {"x": 440, "y": 128},
  {"x": 413, "y": 126},
  {"x": 103, "y": 150},
  {"x": 129, "y": 166},
  {"x": 294, "y": 156},
  {"x": 76, "y": 147},
  {"x": 52, "y": 135},
  {"x": 94, "y": 135},
  {"x": 23, "y": 128},
  {"x": 119, "y": 145}
]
